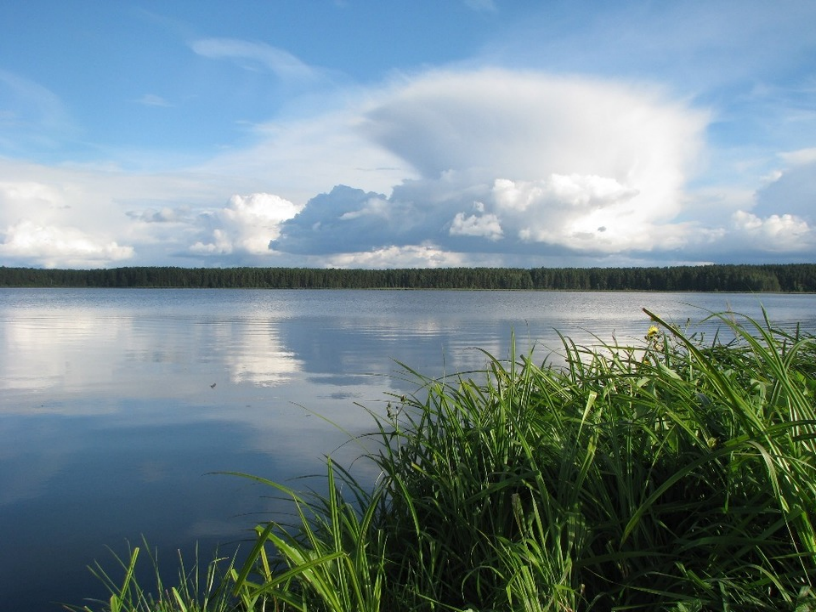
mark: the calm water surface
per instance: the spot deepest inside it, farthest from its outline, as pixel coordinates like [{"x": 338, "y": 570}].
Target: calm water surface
[{"x": 116, "y": 406}]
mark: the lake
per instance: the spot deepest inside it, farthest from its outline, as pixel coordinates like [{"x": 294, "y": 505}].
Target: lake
[{"x": 118, "y": 407}]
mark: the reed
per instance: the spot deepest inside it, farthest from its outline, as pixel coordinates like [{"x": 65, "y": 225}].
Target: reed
[
  {"x": 678, "y": 474},
  {"x": 198, "y": 588}
]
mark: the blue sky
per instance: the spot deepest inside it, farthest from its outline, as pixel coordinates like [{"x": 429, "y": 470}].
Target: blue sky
[{"x": 353, "y": 133}]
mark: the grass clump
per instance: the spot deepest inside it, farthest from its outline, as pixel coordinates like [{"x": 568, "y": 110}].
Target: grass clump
[
  {"x": 679, "y": 474},
  {"x": 198, "y": 588}
]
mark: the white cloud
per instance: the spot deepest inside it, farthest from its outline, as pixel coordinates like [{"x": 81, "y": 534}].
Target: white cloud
[
  {"x": 47, "y": 213},
  {"x": 576, "y": 164},
  {"x": 800, "y": 157},
  {"x": 792, "y": 190},
  {"x": 527, "y": 126},
  {"x": 456, "y": 168},
  {"x": 425, "y": 255},
  {"x": 63, "y": 247},
  {"x": 246, "y": 225},
  {"x": 486, "y": 226},
  {"x": 581, "y": 212},
  {"x": 39, "y": 226},
  {"x": 776, "y": 233},
  {"x": 219, "y": 244},
  {"x": 300, "y": 158},
  {"x": 559, "y": 204},
  {"x": 556, "y": 165}
]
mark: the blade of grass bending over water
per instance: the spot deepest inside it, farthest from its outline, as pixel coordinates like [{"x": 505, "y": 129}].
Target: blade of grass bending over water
[{"x": 330, "y": 553}]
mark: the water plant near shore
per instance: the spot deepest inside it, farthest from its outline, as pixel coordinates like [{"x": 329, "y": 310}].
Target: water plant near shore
[
  {"x": 678, "y": 474},
  {"x": 199, "y": 588}
]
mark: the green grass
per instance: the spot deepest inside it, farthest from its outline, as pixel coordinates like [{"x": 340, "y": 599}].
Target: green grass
[
  {"x": 679, "y": 474},
  {"x": 198, "y": 588}
]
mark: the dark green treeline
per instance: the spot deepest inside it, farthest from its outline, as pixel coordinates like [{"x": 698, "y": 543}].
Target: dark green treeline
[{"x": 752, "y": 278}]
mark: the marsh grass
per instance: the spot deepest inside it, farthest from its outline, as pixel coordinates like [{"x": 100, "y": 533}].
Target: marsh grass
[
  {"x": 197, "y": 588},
  {"x": 679, "y": 474}
]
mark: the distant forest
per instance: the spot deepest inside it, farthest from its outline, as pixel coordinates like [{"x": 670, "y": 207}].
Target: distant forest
[{"x": 794, "y": 278}]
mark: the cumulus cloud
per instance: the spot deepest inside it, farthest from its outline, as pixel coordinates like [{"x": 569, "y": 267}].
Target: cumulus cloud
[
  {"x": 750, "y": 238},
  {"x": 480, "y": 167},
  {"x": 39, "y": 226},
  {"x": 793, "y": 190},
  {"x": 245, "y": 225},
  {"x": 484, "y": 225},
  {"x": 776, "y": 232},
  {"x": 346, "y": 219},
  {"x": 774, "y": 223},
  {"x": 578, "y": 211},
  {"x": 582, "y": 165},
  {"x": 575, "y": 191},
  {"x": 98, "y": 217},
  {"x": 63, "y": 247},
  {"x": 425, "y": 255}
]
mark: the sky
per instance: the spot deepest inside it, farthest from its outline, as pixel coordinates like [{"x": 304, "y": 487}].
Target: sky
[{"x": 385, "y": 133}]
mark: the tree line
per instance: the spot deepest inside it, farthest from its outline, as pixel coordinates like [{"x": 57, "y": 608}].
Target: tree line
[{"x": 794, "y": 278}]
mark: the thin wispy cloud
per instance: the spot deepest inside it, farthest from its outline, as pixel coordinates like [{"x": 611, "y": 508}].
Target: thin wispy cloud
[
  {"x": 257, "y": 56},
  {"x": 153, "y": 100},
  {"x": 31, "y": 114},
  {"x": 481, "y": 5}
]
